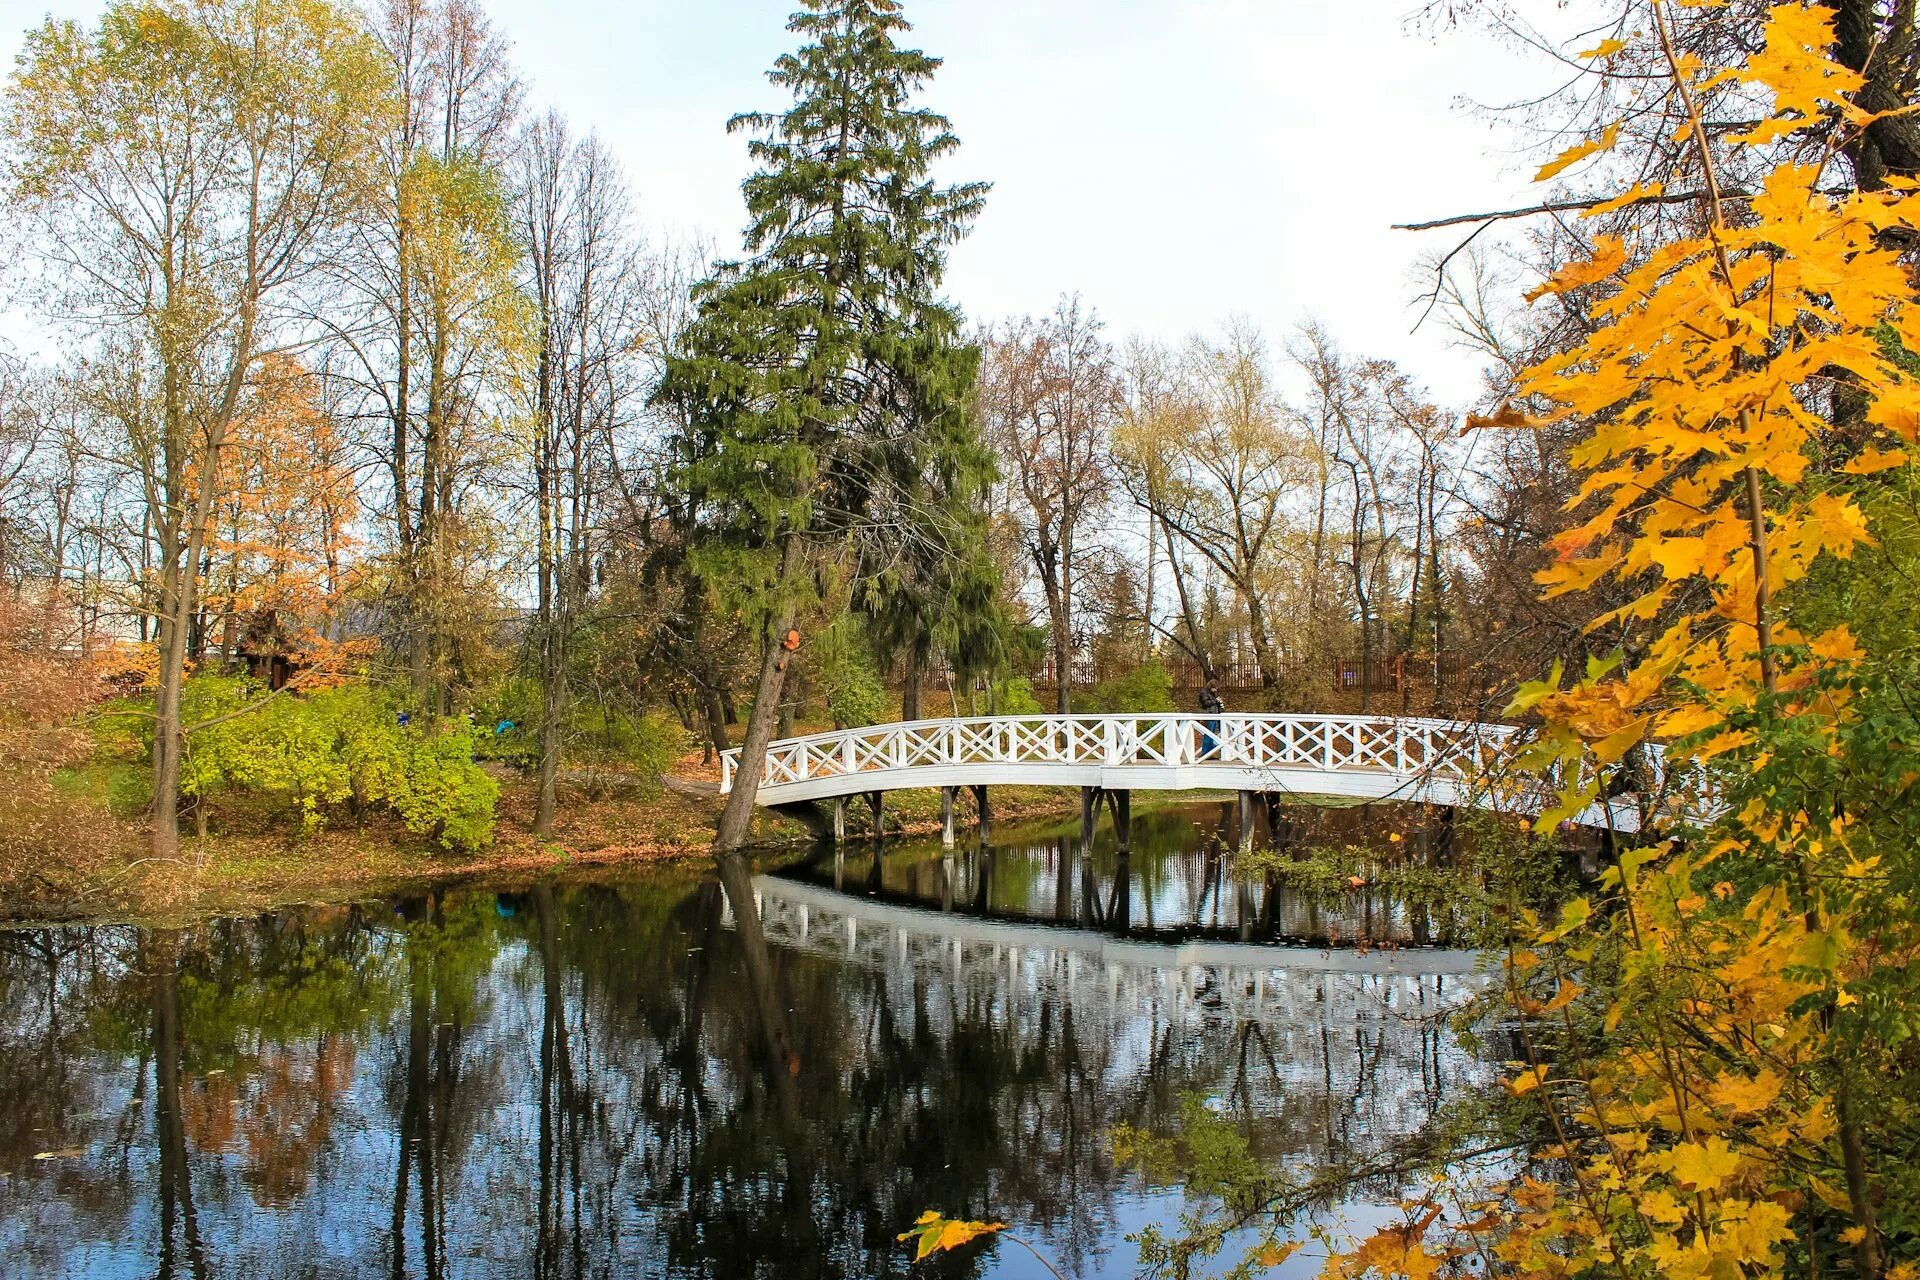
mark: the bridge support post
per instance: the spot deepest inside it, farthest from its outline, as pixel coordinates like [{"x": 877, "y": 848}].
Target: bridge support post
[
  {"x": 1121, "y": 803},
  {"x": 980, "y": 804},
  {"x": 1089, "y": 818},
  {"x": 839, "y": 819},
  {"x": 875, "y": 801},
  {"x": 1245, "y": 815},
  {"x": 946, "y": 816}
]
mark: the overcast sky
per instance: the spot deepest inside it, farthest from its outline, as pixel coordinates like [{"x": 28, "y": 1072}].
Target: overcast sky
[{"x": 1173, "y": 161}]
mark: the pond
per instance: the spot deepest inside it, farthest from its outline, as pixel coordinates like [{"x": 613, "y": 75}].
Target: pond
[
  {"x": 1175, "y": 880},
  {"x": 631, "y": 1075}
]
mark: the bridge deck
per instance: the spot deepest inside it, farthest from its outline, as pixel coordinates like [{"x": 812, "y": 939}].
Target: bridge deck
[{"x": 1368, "y": 758}]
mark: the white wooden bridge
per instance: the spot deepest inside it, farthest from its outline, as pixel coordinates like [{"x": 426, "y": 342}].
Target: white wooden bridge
[{"x": 1447, "y": 762}]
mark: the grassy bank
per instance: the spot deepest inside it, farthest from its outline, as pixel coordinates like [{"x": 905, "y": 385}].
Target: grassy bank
[{"x": 255, "y": 863}]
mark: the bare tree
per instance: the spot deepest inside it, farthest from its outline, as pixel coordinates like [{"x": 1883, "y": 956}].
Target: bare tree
[
  {"x": 424, "y": 315},
  {"x": 1049, "y": 395},
  {"x": 584, "y": 273},
  {"x": 1244, "y": 460}
]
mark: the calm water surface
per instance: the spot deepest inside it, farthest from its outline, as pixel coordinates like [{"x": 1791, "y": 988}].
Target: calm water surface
[{"x": 626, "y": 1076}]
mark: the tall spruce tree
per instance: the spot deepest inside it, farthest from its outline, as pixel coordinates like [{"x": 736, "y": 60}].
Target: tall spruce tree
[{"x": 820, "y": 371}]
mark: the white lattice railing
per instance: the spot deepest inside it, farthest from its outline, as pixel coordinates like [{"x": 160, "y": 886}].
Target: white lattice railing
[{"x": 1403, "y": 747}]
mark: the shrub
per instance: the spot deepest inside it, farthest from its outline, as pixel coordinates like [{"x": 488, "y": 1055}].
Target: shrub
[
  {"x": 646, "y": 745},
  {"x": 515, "y": 700},
  {"x": 843, "y": 669},
  {"x": 46, "y": 827},
  {"x": 440, "y": 791},
  {"x": 1146, "y": 688},
  {"x": 344, "y": 745},
  {"x": 1013, "y": 697}
]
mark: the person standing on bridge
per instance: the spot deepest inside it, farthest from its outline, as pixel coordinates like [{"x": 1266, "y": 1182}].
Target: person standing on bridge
[{"x": 1210, "y": 704}]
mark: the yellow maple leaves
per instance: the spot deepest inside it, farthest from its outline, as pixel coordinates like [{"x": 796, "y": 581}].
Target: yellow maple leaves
[
  {"x": 1701, "y": 1166},
  {"x": 1702, "y": 387},
  {"x": 937, "y": 1234},
  {"x": 1608, "y": 138}
]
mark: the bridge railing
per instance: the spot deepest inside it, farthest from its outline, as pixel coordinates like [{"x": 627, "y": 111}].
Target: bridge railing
[{"x": 1402, "y": 746}]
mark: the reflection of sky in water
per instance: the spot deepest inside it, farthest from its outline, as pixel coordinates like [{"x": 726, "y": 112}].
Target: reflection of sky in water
[{"x": 598, "y": 1080}]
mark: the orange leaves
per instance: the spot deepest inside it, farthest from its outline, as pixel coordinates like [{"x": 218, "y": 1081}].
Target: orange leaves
[
  {"x": 936, "y": 1234},
  {"x": 1609, "y": 254},
  {"x": 1574, "y": 154},
  {"x": 1396, "y": 1250},
  {"x": 1632, "y": 195},
  {"x": 1709, "y": 365},
  {"x": 1737, "y": 1094},
  {"x": 1527, "y": 1081},
  {"x": 1273, "y": 1253},
  {"x": 282, "y": 531},
  {"x": 1872, "y": 461},
  {"x": 1506, "y": 415},
  {"x": 1794, "y": 66}
]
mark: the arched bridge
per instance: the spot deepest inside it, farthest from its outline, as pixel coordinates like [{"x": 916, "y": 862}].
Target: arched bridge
[{"x": 1448, "y": 762}]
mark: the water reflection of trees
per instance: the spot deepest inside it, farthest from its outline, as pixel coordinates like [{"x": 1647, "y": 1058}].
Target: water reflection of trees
[
  {"x": 596, "y": 1079},
  {"x": 1178, "y": 878}
]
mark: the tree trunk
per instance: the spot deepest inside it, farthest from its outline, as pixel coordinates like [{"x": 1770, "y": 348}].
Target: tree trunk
[
  {"x": 1187, "y": 617},
  {"x": 553, "y": 678},
  {"x": 736, "y": 818},
  {"x": 176, "y": 1176},
  {"x": 716, "y": 718},
  {"x": 1262, "y": 643},
  {"x": 910, "y": 690}
]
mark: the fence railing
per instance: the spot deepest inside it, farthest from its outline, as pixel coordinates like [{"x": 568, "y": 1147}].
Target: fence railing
[{"x": 1404, "y": 746}]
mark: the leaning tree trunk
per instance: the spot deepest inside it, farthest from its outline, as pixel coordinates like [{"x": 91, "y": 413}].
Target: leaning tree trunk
[
  {"x": 736, "y": 818},
  {"x": 716, "y": 717}
]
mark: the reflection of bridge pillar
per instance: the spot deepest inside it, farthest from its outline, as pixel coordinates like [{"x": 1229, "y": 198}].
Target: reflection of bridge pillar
[
  {"x": 1062, "y": 882},
  {"x": 1089, "y": 818},
  {"x": 980, "y": 807},
  {"x": 1121, "y": 803},
  {"x": 946, "y": 816}
]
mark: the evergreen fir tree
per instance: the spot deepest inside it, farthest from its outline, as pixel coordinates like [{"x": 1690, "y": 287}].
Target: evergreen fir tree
[{"x": 822, "y": 376}]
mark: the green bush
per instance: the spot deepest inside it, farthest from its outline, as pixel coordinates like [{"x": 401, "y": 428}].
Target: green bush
[
  {"x": 1013, "y": 697},
  {"x": 515, "y": 700},
  {"x": 842, "y": 667},
  {"x": 343, "y": 746},
  {"x": 1146, "y": 688},
  {"x": 646, "y": 745},
  {"x": 440, "y": 791}
]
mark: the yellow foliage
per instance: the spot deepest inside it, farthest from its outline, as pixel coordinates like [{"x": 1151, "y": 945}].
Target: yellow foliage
[
  {"x": 937, "y": 1234},
  {"x": 1690, "y": 1136}
]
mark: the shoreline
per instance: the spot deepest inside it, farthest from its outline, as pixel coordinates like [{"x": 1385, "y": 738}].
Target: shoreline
[{"x": 238, "y": 873}]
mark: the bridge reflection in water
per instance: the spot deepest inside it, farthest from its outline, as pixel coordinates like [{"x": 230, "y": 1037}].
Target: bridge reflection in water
[
  {"x": 1280, "y": 987},
  {"x": 1286, "y": 1023},
  {"x": 1179, "y": 880}
]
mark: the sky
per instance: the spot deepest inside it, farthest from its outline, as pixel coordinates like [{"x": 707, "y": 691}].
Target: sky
[{"x": 1175, "y": 162}]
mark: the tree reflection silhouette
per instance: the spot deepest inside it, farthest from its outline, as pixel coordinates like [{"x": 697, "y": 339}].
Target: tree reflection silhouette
[{"x": 630, "y": 1076}]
